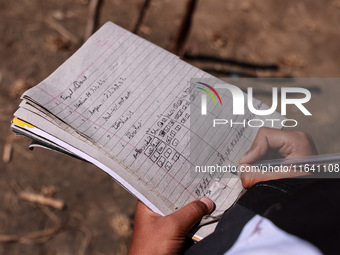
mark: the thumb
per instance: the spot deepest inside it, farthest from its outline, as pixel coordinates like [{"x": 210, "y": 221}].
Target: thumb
[
  {"x": 260, "y": 145},
  {"x": 251, "y": 177},
  {"x": 192, "y": 213},
  {"x": 258, "y": 149}
]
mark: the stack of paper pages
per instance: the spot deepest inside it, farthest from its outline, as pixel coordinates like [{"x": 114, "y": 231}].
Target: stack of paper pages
[{"x": 124, "y": 104}]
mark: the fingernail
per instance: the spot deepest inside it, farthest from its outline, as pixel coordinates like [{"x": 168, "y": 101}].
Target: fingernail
[
  {"x": 239, "y": 173},
  {"x": 208, "y": 202}
]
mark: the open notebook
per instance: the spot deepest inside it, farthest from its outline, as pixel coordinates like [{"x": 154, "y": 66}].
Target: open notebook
[{"x": 124, "y": 104}]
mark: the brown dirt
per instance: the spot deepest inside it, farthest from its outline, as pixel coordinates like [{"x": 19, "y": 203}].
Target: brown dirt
[{"x": 301, "y": 38}]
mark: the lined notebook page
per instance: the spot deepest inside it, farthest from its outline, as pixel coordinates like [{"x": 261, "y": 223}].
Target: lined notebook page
[{"x": 131, "y": 100}]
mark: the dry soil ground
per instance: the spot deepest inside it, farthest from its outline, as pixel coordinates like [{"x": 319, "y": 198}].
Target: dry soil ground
[{"x": 295, "y": 38}]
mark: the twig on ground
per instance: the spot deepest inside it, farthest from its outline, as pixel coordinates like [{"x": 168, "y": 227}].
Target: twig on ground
[
  {"x": 184, "y": 29},
  {"x": 139, "y": 19},
  {"x": 51, "y": 215},
  {"x": 7, "y": 154},
  {"x": 93, "y": 17},
  {"x": 61, "y": 30},
  {"x": 87, "y": 240},
  {"x": 31, "y": 237},
  {"x": 43, "y": 200}
]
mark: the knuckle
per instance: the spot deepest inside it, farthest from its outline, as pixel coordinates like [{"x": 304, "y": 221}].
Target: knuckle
[
  {"x": 262, "y": 150},
  {"x": 303, "y": 136},
  {"x": 198, "y": 208},
  {"x": 262, "y": 130}
]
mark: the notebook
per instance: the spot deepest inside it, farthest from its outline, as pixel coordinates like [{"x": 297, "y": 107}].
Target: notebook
[{"x": 131, "y": 108}]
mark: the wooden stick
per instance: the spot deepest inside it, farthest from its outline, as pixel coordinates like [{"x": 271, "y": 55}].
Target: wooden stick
[
  {"x": 139, "y": 20},
  {"x": 6, "y": 157},
  {"x": 43, "y": 200},
  {"x": 87, "y": 240},
  {"x": 31, "y": 236},
  {"x": 51, "y": 215},
  {"x": 93, "y": 17},
  {"x": 184, "y": 29},
  {"x": 61, "y": 30}
]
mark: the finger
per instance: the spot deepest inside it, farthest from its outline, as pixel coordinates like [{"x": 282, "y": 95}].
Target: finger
[
  {"x": 253, "y": 176},
  {"x": 266, "y": 138},
  {"x": 192, "y": 213},
  {"x": 288, "y": 143},
  {"x": 303, "y": 146},
  {"x": 250, "y": 176},
  {"x": 247, "y": 183}
]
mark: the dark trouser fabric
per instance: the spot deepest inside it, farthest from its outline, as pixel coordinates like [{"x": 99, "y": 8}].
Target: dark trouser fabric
[{"x": 307, "y": 208}]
